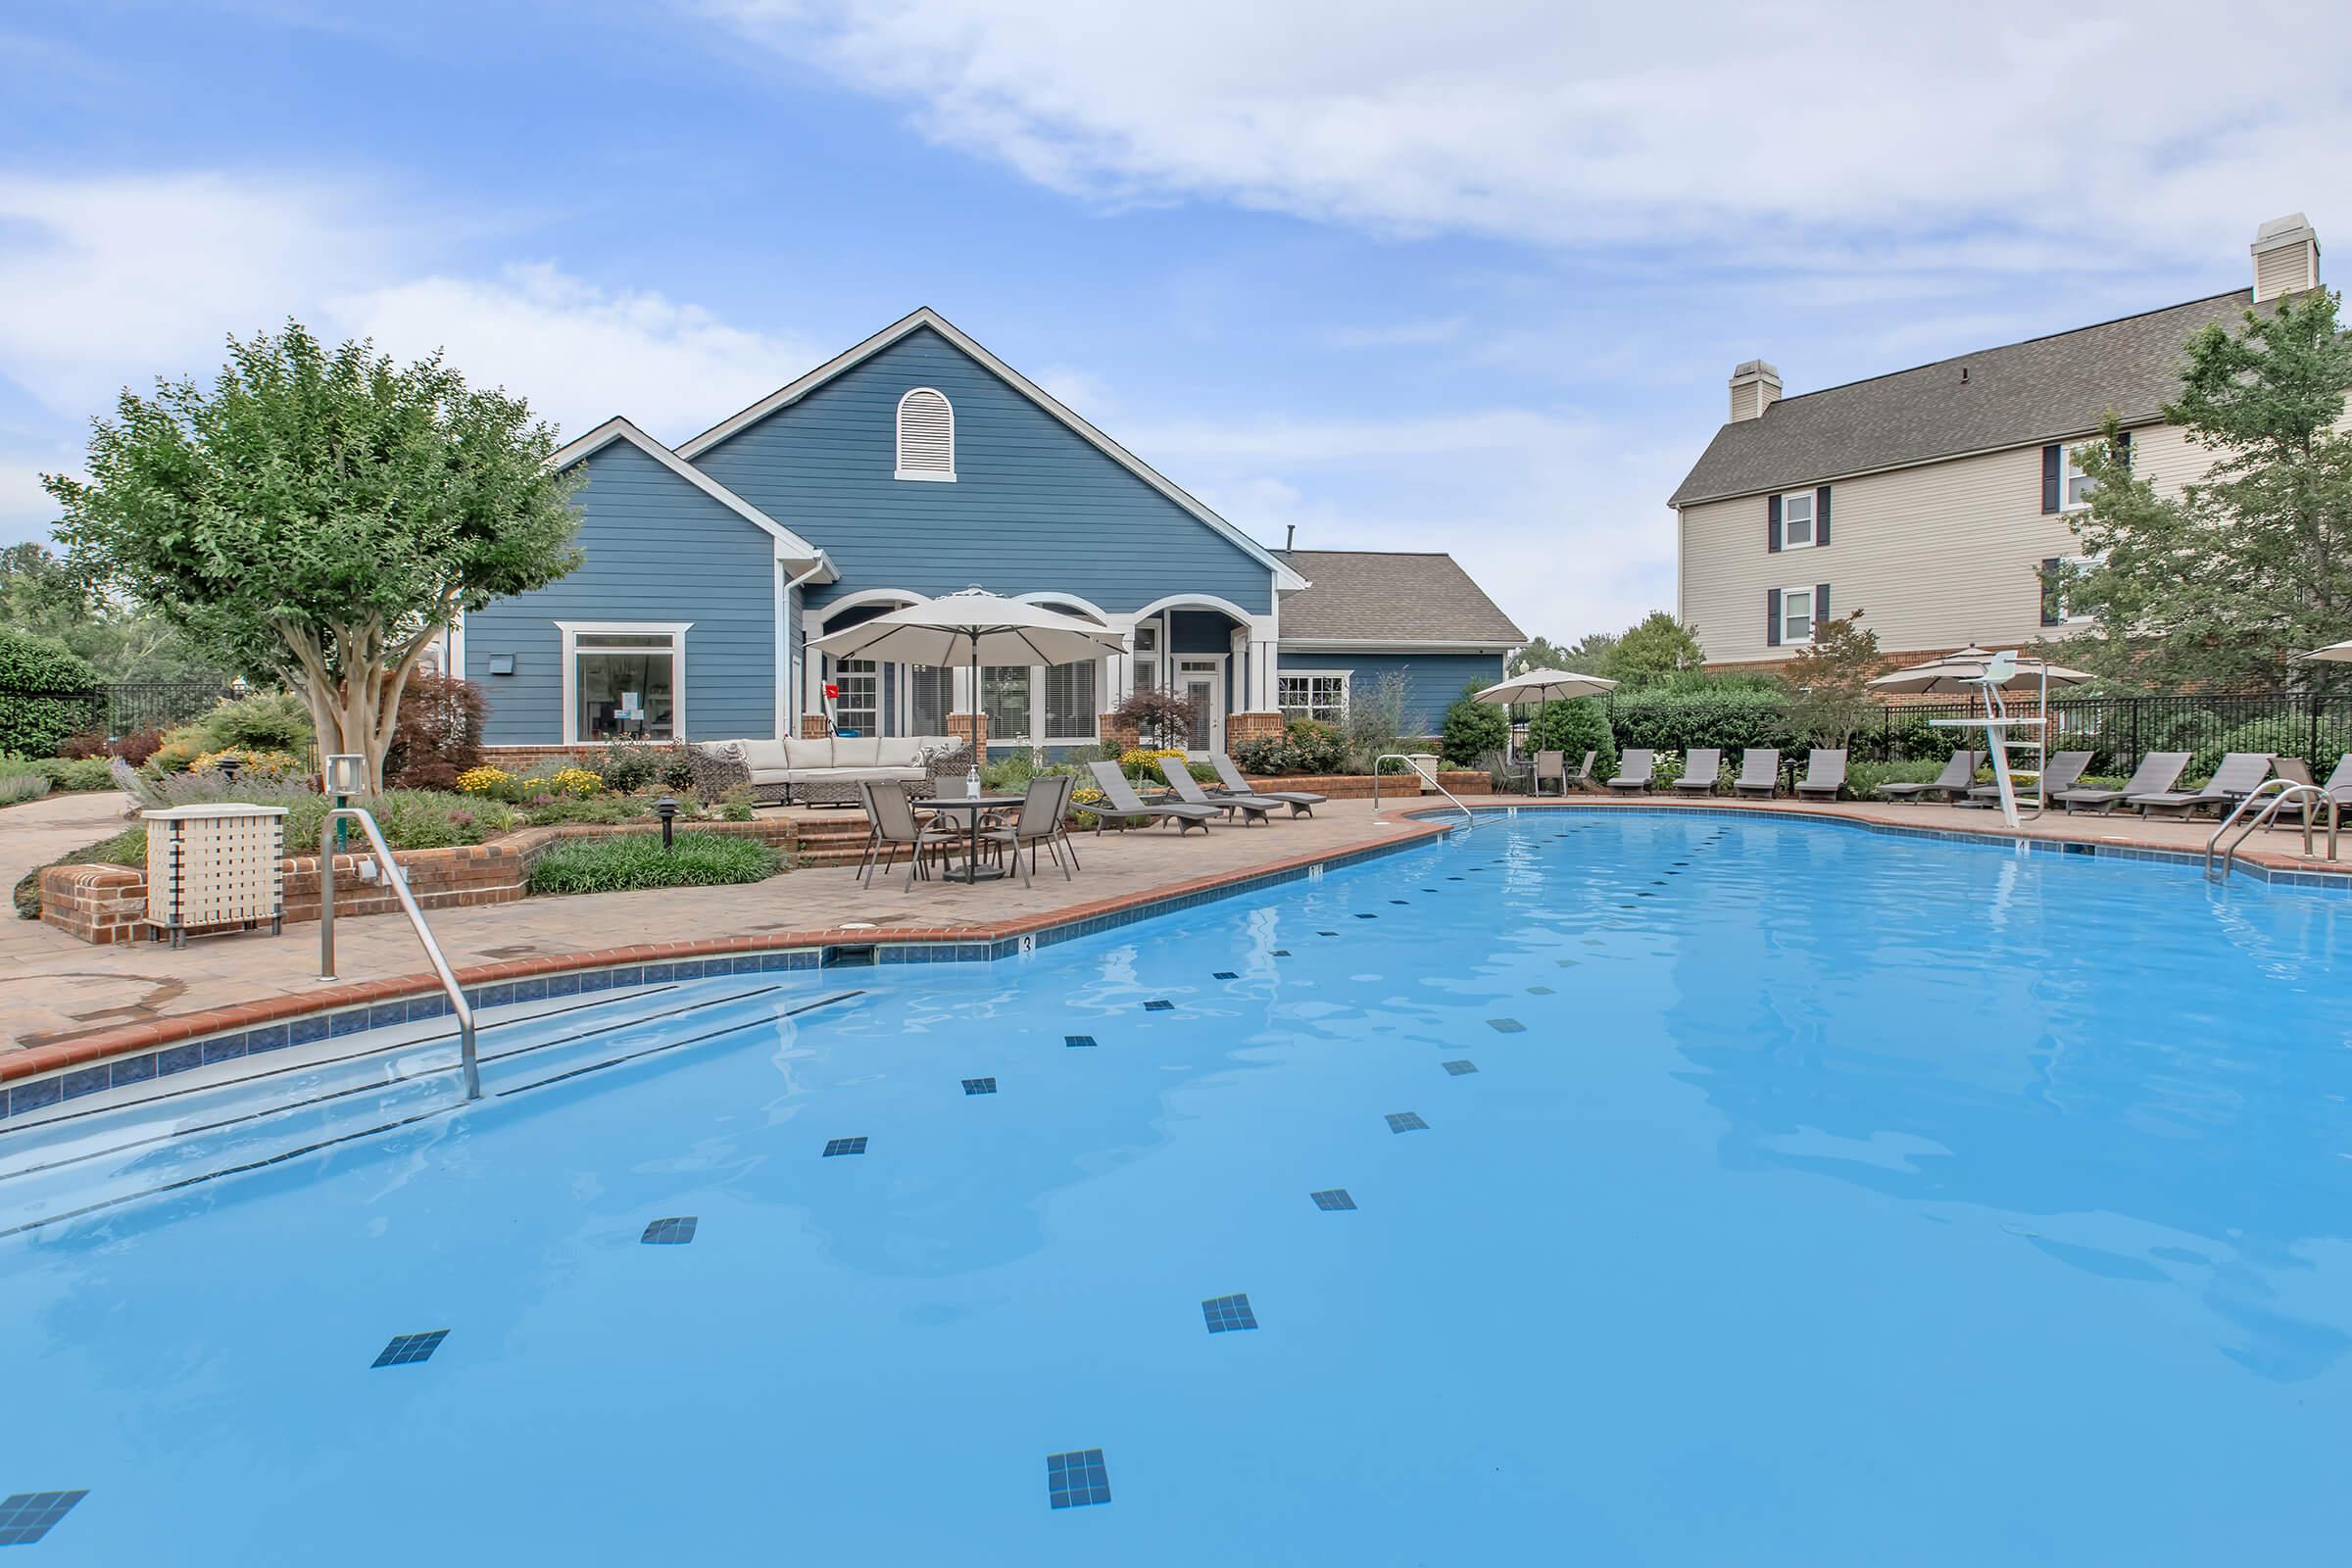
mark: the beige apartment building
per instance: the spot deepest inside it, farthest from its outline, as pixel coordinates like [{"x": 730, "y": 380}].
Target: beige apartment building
[{"x": 1934, "y": 499}]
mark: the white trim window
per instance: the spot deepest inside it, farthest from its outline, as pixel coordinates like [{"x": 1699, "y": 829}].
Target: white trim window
[
  {"x": 926, "y": 435},
  {"x": 930, "y": 698},
  {"x": 1005, "y": 697},
  {"x": 1797, "y": 521},
  {"x": 2068, "y": 566},
  {"x": 2074, "y": 485},
  {"x": 623, "y": 680},
  {"x": 1042, "y": 704},
  {"x": 1147, "y": 655},
  {"x": 1071, "y": 711},
  {"x": 1796, "y": 615},
  {"x": 1320, "y": 694},
  {"x": 859, "y": 708}
]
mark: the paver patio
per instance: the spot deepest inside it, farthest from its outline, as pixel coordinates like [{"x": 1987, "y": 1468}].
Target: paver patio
[{"x": 54, "y": 989}]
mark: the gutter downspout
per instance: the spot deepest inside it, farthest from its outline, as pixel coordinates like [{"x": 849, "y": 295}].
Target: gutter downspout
[{"x": 788, "y": 677}]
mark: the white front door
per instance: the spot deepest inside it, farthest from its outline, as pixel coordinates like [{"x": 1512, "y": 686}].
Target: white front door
[{"x": 1201, "y": 682}]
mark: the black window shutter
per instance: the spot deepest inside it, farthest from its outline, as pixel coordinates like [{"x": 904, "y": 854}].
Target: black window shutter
[
  {"x": 1820, "y": 515},
  {"x": 2123, "y": 447},
  {"x": 1772, "y": 613},
  {"x": 2053, "y": 475},
  {"x": 1772, "y": 524},
  {"x": 2049, "y": 591},
  {"x": 1821, "y": 606}
]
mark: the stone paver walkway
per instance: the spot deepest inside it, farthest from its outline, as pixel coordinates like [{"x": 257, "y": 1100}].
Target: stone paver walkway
[{"x": 54, "y": 987}]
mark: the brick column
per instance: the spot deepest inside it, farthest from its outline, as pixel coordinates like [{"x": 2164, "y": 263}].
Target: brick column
[
  {"x": 972, "y": 730},
  {"x": 1116, "y": 732},
  {"x": 1239, "y": 727}
]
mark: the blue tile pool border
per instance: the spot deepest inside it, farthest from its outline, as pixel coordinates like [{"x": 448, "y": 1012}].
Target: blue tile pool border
[{"x": 26, "y": 1095}]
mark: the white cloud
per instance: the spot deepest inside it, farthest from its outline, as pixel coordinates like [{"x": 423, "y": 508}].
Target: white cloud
[{"x": 1850, "y": 136}]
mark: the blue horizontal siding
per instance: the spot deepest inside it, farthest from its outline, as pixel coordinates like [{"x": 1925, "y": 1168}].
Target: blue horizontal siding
[
  {"x": 1035, "y": 507},
  {"x": 1432, "y": 681},
  {"x": 657, "y": 549}
]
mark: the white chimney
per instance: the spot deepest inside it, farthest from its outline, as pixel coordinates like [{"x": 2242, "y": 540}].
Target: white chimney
[
  {"x": 1756, "y": 388},
  {"x": 2286, "y": 258}
]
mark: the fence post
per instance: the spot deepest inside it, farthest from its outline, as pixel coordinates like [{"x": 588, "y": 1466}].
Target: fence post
[
  {"x": 2135, "y": 731},
  {"x": 2313, "y": 756}
]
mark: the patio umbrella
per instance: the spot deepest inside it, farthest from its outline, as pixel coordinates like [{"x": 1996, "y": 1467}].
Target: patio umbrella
[
  {"x": 978, "y": 627},
  {"x": 2333, "y": 653},
  {"x": 1964, "y": 671},
  {"x": 1541, "y": 686}
]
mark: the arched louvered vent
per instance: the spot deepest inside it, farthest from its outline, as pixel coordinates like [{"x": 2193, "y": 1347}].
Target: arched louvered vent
[{"x": 926, "y": 436}]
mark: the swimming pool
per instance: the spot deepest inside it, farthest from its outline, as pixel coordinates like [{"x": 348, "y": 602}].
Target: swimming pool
[{"x": 1624, "y": 1186}]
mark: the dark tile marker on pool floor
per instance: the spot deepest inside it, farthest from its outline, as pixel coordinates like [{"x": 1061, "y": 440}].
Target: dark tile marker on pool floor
[
  {"x": 1333, "y": 1198},
  {"x": 1078, "y": 1041},
  {"x": 845, "y": 1146},
  {"x": 1077, "y": 1478},
  {"x": 1159, "y": 1004},
  {"x": 1367, "y": 917},
  {"x": 1224, "y": 974},
  {"x": 675, "y": 1231},
  {"x": 1506, "y": 1026},
  {"x": 1228, "y": 1314},
  {"x": 1281, "y": 953},
  {"x": 1539, "y": 991},
  {"x": 408, "y": 1349},
  {"x": 1406, "y": 1121},
  {"x": 27, "y": 1516},
  {"x": 979, "y": 1086},
  {"x": 1457, "y": 1068}
]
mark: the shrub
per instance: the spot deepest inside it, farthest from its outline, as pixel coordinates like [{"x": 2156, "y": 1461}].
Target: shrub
[
  {"x": 1472, "y": 729},
  {"x": 250, "y": 767},
  {"x": 260, "y": 721},
  {"x": 1304, "y": 747},
  {"x": 578, "y": 783},
  {"x": 438, "y": 734},
  {"x": 545, "y": 811},
  {"x": 638, "y": 860},
  {"x": 673, "y": 768},
  {"x": 137, "y": 746},
  {"x": 1575, "y": 728},
  {"x": 90, "y": 743},
  {"x": 736, "y": 804},
  {"x": 1142, "y": 762},
  {"x": 18, "y": 788},
  {"x": 87, "y": 774},
  {"x": 420, "y": 819},
  {"x": 627, "y": 767},
  {"x": 1375, "y": 724},
  {"x": 35, "y": 725},
  {"x": 1674, "y": 721},
  {"x": 495, "y": 783},
  {"x": 1864, "y": 778},
  {"x": 1159, "y": 716}
]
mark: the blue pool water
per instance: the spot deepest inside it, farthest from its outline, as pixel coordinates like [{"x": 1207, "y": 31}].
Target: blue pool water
[{"x": 1761, "y": 1192}]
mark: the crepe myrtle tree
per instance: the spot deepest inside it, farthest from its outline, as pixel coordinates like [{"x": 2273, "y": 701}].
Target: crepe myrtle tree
[{"x": 319, "y": 517}]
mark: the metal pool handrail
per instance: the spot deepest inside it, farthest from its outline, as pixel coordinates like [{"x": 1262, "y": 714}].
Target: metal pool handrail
[
  {"x": 1428, "y": 778},
  {"x": 2272, "y": 804},
  {"x": 407, "y": 906}
]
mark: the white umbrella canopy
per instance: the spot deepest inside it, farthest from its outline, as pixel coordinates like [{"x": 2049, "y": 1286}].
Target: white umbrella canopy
[
  {"x": 1545, "y": 686},
  {"x": 2333, "y": 653},
  {"x": 975, "y": 625},
  {"x": 1964, "y": 671}
]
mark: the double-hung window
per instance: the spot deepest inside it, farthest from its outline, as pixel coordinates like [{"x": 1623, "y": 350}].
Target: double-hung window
[
  {"x": 624, "y": 681},
  {"x": 930, "y": 698},
  {"x": 1146, "y": 657},
  {"x": 1321, "y": 696},
  {"x": 1797, "y": 521},
  {"x": 2075, "y": 485},
  {"x": 1796, "y": 615}
]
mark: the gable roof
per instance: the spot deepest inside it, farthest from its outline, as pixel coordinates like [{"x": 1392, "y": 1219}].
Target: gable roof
[
  {"x": 1285, "y": 580},
  {"x": 1391, "y": 597},
  {"x": 790, "y": 546},
  {"x": 2021, "y": 394}
]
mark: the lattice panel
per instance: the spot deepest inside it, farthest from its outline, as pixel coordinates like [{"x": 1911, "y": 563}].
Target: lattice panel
[{"x": 220, "y": 867}]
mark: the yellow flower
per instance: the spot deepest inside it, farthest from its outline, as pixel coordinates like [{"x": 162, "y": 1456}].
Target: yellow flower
[
  {"x": 483, "y": 780},
  {"x": 575, "y": 781}
]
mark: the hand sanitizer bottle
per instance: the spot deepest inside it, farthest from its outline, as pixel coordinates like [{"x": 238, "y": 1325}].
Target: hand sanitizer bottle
[{"x": 971, "y": 782}]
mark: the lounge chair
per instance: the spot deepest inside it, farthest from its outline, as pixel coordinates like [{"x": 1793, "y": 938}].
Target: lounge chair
[
  {"x": 1042, "y": 819},
  {"x": 1759, "y": 772},
  {"x": 1637, "y": 768},
  {"x": 1824, "y": 773},
  {"x": 2063, "y": 771},
  {"x": 2241, "y": 774},
  {"x": 2338, "y": 788},
  {"x": 2157, "y": 770},
  {"x": 1958, "y": 775},
  {"x": 1551, "y": 767},
  {"x": 1303, "y": 803},
  {"x": 1187, "y": 790},
  {"x": 1581, "y": 778},
  {"x": 1703, "y": 767},
  {"x": 1119, "y": 799}
]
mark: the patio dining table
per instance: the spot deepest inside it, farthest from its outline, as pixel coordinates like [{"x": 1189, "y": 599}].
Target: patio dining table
[{"x": 978, "y": 805}]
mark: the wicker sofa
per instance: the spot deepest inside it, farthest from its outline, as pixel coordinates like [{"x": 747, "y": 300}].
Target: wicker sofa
[{"x": 827, "y": 770}]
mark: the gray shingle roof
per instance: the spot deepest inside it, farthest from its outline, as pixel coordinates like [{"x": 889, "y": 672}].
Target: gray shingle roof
[
  {"x": 1390, "y": 596},
  {"x": 2021, "y": 394}
]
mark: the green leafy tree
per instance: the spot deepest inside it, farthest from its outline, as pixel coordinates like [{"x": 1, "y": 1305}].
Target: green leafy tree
[
  {"x": 1473, "y": 730},
  {"x": 2219, "y": 584},
  {"x": 318, "y": 517},
  {"x": 1653, "y": 652},
  {"x": 41, "y": 595},
  {"x": 1541, "y": 653},
  {"x": 1832, "y": 679}
]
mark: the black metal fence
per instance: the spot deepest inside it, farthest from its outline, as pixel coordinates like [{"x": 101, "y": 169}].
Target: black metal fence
[
  {"x": 2119, "y": 730},
  {"x": 123, "y": 708}
]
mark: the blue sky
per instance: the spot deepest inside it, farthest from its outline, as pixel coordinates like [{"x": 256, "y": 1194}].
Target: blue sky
[{"x": 1469, "y": 279}]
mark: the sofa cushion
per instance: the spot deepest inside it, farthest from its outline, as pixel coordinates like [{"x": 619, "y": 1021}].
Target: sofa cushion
[
  {"x": 856, "y": 751},
  {"x": 757, "y": 754},
  {"x": 800, "y": 753}
]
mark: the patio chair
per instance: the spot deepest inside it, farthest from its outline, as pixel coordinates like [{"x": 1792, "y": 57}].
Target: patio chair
[
  {"x": 2157, "y": 771},
  {"x": 1637, "y": 767},
  {"x": 1759, "y": 772},
  {"x": 2338, "y": 788},
  {"x": 1043, "y": 820},
  {"x": 892, "y": 826},
  {"x": 1824, "y": 773},
  {"x": 1550, "y": 768},
  {"x": 1303, "y": 803},
  {"x": 1958, "y": 775},
  {"x": 1179, "y": 775},
  {"x": 1581, "y": 778},
  {"x": 2239, "y": 775},
  {"x": 1702, "y": 769},
  {"x": 2063, "y": 771},
  {"x": 1119, "y": 799}
]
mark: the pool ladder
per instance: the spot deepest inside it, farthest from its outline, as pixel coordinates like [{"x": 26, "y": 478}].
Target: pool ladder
[
  {"x": 2265, "y": 802},
  {"x": 467, "y": 1054},
  {"x": 1428, "y": 776}
]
